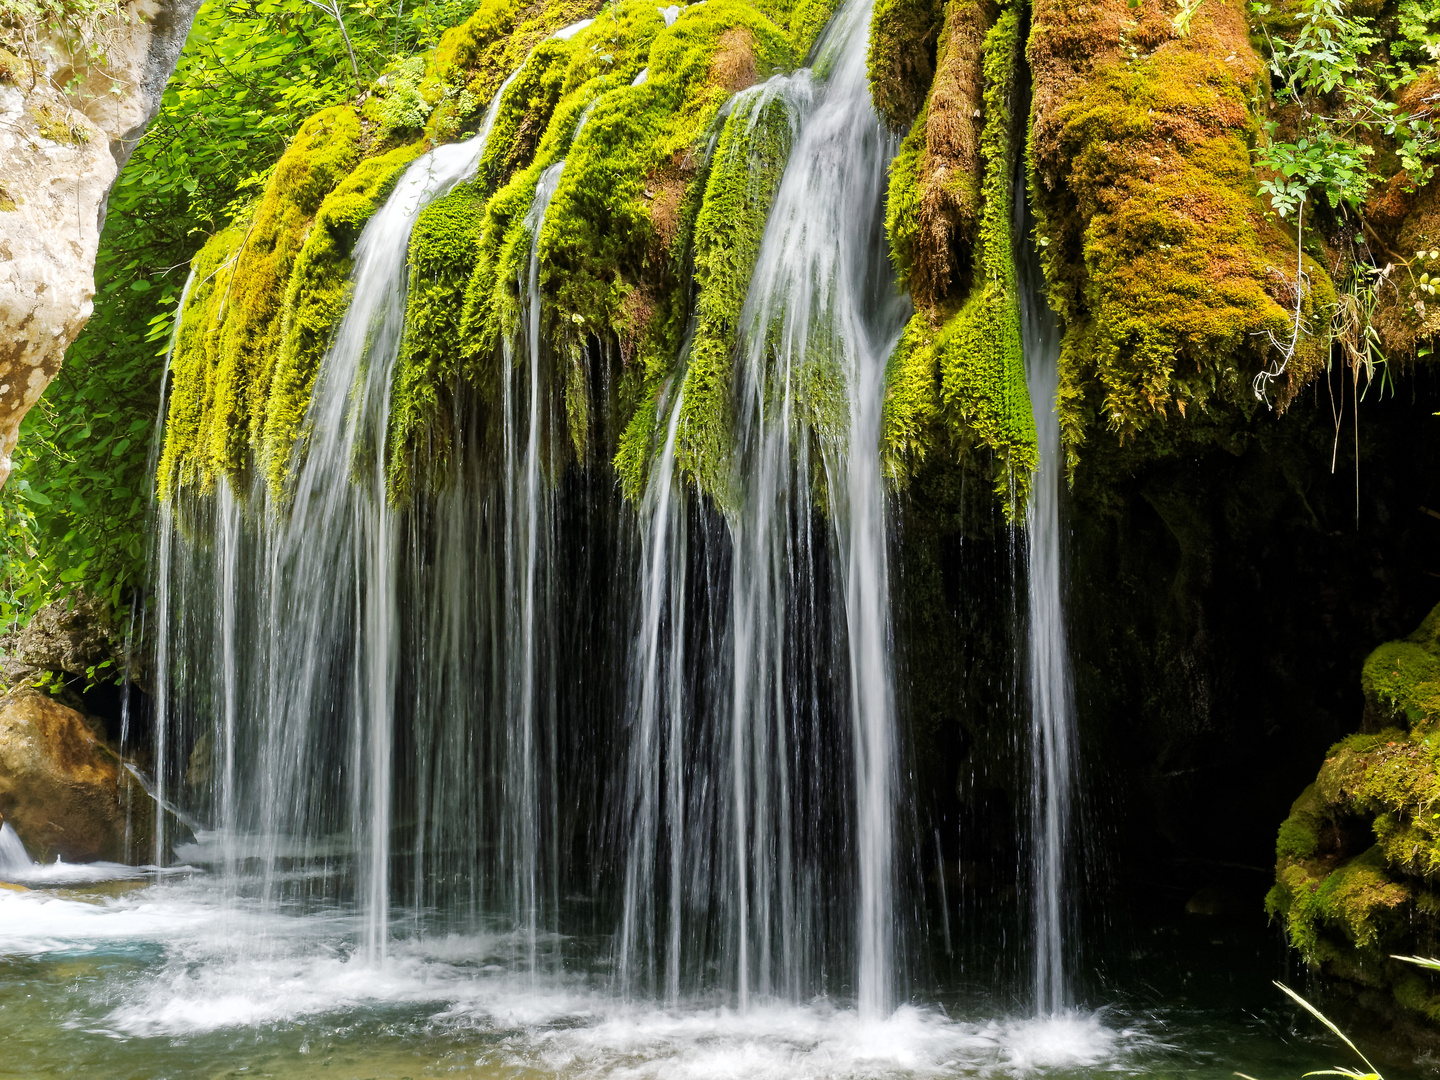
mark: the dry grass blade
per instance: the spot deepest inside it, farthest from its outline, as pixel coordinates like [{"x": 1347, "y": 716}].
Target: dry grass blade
[
  {"x": 1420, "y": 961},
  {"x": 1344, "y": 1038}
]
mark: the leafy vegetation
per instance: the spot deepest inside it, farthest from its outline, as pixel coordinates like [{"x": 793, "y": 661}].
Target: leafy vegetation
[
  {"x": 1332, "y": 69},
  {"x": 252, "y": 72}
]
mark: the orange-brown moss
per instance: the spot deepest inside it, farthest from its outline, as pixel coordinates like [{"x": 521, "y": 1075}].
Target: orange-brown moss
[
  {"x": 935, "y": 187},
  {"x": 956, "y": 380},
  {"x": 1165, "y": 266}
]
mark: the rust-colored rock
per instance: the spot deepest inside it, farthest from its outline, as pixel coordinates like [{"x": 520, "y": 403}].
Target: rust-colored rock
[{"x": 63, "y": 790}]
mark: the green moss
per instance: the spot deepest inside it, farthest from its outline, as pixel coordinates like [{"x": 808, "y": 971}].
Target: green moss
[
  {"x": 966, "y": 370},
  {"x": 1347, "y": 909},
  {"x": 1401, "y": 681},
  {"x": 612, "y": 249},
  {"x": 606, "y": 55},
  {"x": 193, "y": 364},
  {"x": 55, "y": 125},
  {"x": 12, "y": 68},
  {"x": 622, "y": 214},
  {"x": 315, "y": 300},
  {"x": 618, "y": 203},
  {"x": 322, "y": 153},
  {"x": 901, "y": 57},
  {"x": 1413, "y": 991},
  {"x": 1296, "y": 840},
  {"x": 745, "y": 174},
  {"x": 902, "y": 202},
  {"x": 479, "y": 54},
  {"x": 808, "y": 19},
  {"x": 444, "y": 246},
  {"x": 1361, "y": 899}
]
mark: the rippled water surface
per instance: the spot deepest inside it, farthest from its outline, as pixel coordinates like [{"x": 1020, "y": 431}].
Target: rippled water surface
[{"x": 170, "y": 979}]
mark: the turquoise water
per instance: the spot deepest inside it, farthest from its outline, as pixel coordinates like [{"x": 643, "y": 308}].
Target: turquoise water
[{"x": 172, "y": 979}]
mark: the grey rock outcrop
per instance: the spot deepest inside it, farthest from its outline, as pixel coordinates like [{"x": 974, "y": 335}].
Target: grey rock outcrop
[
  {"x": 68, "y": 637},
  {"x": 68, "y": 123}
]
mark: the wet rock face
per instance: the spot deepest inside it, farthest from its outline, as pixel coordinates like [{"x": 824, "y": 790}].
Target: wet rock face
[
  {"x": 61, "y": 789},
  {"x": 67, "y": 126}
]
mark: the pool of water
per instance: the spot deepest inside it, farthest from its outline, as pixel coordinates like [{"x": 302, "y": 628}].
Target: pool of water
[{"x": 170, "y": 978}]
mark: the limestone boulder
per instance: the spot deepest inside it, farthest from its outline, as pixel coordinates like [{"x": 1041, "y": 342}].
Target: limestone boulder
[
  {"x": 63, "y": 790},
  {"x": 74, "y": 101}
]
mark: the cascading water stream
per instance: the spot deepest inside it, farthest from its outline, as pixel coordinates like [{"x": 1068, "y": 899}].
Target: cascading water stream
[
  {"x": 822, "y": 306},
  {"x": 528, "y": 511},
  {"x": 1052, "y": 712},
  {"x": 779, "y": 723},
  {"x": 14, "y": 859},
  {"x": 281, "y": 604}
]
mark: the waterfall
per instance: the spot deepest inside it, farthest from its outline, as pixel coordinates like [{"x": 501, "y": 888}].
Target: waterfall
[
  {"x": 799, "y": 690},
  {"x": 528, "y": 550},
  {"x": 13, "y": 857},
  {"x": 822, "y": 286},
  {"x": 660, "y": 700},
  {"x": 258, "y": 612},
  {"x": 1052, "y": 712}
]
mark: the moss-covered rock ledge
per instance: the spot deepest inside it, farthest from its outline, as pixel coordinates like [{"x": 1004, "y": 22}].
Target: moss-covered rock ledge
[
  {"x": 1357, "y": 874},
  {"x": 633, "y": 100}
]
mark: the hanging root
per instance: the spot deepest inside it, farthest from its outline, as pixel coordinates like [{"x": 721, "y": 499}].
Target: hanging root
[{"x": 1286, "y": 348}]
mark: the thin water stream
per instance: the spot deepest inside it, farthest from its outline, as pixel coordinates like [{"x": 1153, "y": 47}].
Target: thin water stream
[{"x": 1052, "y": 707}]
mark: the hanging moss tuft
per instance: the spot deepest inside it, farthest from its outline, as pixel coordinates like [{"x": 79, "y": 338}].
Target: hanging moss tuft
[
  {"x": 1161, "y": 259},
  {"x": 188, "y": 417},
  {"x": 315, "y": 301},
  {"x": 444, "y": 247},
  {"x": 902, "y": 57},
  {"x": 957, "y": 378},
  {"x": 745, "y": 174},
  {"x": 325, "y": 149}
]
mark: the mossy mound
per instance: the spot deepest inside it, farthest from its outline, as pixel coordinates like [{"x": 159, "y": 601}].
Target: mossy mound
[
  {"x": 613, "y": 247},
  {"x": 239, "y": 387},
  {"x": 315, "y": 299},
  {"x": 1164, "y": 265},
  {"x": 956, "y": 382},
  {"x": 744, "y": 178},
  {"x": 322, "y": 154},
  {"x": 1358, "y": 860}
]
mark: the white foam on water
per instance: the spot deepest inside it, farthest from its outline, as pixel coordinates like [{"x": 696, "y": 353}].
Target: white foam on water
[
  {"x": 33, "y": 923},
  {"x": 817, "y": 1040},
  {"x": 231, "y": 966},
  {"x": 17, "y": 868}
]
